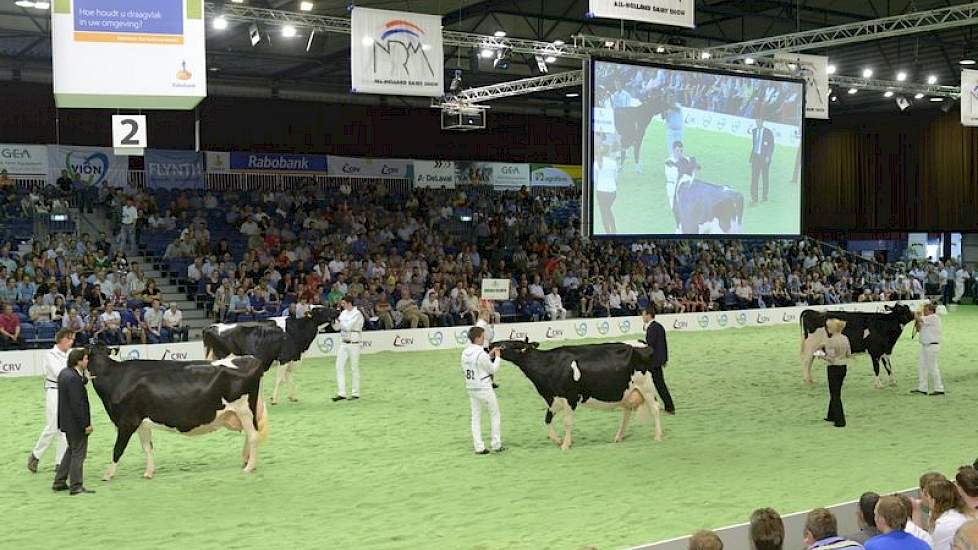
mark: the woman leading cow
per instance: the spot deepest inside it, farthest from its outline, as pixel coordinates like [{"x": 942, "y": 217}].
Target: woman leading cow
[{"x": 836, "y": 351}]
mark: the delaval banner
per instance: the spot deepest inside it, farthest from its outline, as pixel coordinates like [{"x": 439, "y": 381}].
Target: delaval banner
[
  {"x": 436, "y": 174},
  {"x": 23, "y": 160},
  {"x": 277, "y": 162},
  {"x": 396, "y": 53},
  {"x": 678, "y": 13},
  {"x": 150, "y": 55},
  {"x": 370, "y": 168},
  {"x": 969, "y": 97},
  {"x": 93, "y": 166},
  {"x": 174, "y": 169}
]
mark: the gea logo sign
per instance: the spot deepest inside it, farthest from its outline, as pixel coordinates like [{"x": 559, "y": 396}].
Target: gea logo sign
[
  {"x": 10, "y": 368},
  {"x": 133, "y": 355},
  {"x": 554, "y": 333},
  {"x": 722, "y": 320},
  {"x": 461, "y": 337},
  {"x": 175, "y": 355},
  {"x": 741, "y": 319},
  {"x": 679, "y": 324},
  {"x": 625, "y": 326},
  {"x": 11, "y": 153},
  {"x": 400, "y": 342}
]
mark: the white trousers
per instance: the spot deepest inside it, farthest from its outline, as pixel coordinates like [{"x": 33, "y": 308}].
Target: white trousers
[
  {"x": 557, "y": 313},
  {"x": 351, "y": 352},
  {"x": 927, "y": 367},
  {"x": 478, "y": 399},
  {"x": 51, "y": 430}
]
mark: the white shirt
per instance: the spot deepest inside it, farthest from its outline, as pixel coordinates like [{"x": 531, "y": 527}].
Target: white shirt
[
  {"x": 172, "y": 319},
  {"x": 945, "y": 527},
  {"x": 916, "y": 531},
  {"x": 478, "y": 367},
  {"x": 129, "y": 215},
  {"x": 350, "y": 325},
  {"x": 484, "y": 325},
  {"x": 554, "y": 302},
  {"x": 930, "y": 330},
  {"x": 114, "y": 318},
  {"x": 55, "y": 361}
]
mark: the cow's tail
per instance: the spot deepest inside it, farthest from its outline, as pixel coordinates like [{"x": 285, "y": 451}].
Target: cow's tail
[
  {"x": 644, "y": 385},
  {"x": 261, "y": 417}
]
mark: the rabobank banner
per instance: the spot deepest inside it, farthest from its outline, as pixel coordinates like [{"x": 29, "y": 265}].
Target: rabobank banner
[
  {"x": 277, "y": 162},
  {"x": 370, "y": 168},
  {"x": 437, "y": 174},
  {"x": 30, "y": 363},
  {"x": 174, "y": 169},
  {"x": 23, "y": 160},
  {"x": 92, "y": 166}
]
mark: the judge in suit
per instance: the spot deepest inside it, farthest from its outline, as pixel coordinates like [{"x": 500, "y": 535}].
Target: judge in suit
[
  {"x": 655, "y": 338},
  {"x": 75, "y": 421},
  {"x": 762, "y": 149}
]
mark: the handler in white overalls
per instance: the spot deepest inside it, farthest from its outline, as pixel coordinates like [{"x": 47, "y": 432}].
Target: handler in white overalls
[
  {"x": 929, "y": 335},
  {"x": 350, "y": 325},
  {"x": 484, "y": 322},
  {"x": 55, "y": 360},
  {"x": 478, "y": 368}
]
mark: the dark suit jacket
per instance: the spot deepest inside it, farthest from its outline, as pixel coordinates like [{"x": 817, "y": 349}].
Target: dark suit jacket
[
  {"x": 73, "y": 411},
  {"x": 767, "y": 145},
  {"x": 655, "y": 338}
]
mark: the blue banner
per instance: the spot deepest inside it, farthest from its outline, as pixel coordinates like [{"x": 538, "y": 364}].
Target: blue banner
[
  {"x": 276, "y": 162},
  {"x": 174, "y": 169}
]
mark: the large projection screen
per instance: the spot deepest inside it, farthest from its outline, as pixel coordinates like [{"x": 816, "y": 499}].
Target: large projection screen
[{"x": 692, "y": 152}]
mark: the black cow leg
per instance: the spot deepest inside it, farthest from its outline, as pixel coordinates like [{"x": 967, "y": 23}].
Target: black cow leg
[
  {"x": 876, "y": 372},
  {"x": 124, "y": 434}
]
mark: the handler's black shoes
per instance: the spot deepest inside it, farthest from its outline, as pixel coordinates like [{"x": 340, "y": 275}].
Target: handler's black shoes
[
  {"x": 338, "y": 398},
  {"x": 495, "y": 386},
  {"x": 57, "y": 488},
  {"x": 482, "y": 452},
  {"x": 936, "y": 393},
  {"x": 32, "y": 463},
  {"x": 499, "y": 450},
  {"x": 82, "y": 491},
  {"x": 918, "y": 392}
]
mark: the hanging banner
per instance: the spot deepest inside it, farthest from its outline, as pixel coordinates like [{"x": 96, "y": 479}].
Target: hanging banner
[
  {"x": 92, "y": 166},
  {"x": 218, "y": 161},
  {"x": 679, "y": 13},
  {"x": 499, "y": 175},
  {"x": 174, "y": 169},
  {"x": 23, "y": 160},
  {"x": 969, "y": 97},
  {"x": 277, "y": 162},
  {"x": 369, "y": 168},
  {"x": 396, "y": 53},
  {"x": 555, "y": 175},
  {"x": 815, "y": 70},
  {"x": 495, "y": 289},
  {"x": 150, "y": 54},
  {"x": 438, "y": 174}
]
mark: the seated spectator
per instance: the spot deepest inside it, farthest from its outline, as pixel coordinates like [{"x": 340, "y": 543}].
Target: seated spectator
[
  {"x": 919, "y": 509},
  {"x": 967, "y": 482},
  {"x": 766, "y": 530},
  {"x": 240, "y": 304},
  {"x": 153, "y": 324},
  {"x": 891, "y": 519},
  {"x": 410, "y": 311},
  {"x": 58, "y": 309},
  {"x": 384, "y": 313},
  {"x": 110, "y": 323},
  {"x": 9, "y": 328},
  {"x": 705, "y": 540},
  {"x": 866, "y": 518},
  {"x": 150, "y": 293},
  {"x": 132, "y": 323},
  {"x": 40, "y": 312},
  {"x": 74, "y": 322},
  {"x": 431, "y": 307},
  {"x": 8, "y": 291},
  {"x": 821, "y": 531},
  {"x": 948, "y": 512},
  {"x": 554, "y": 305}
]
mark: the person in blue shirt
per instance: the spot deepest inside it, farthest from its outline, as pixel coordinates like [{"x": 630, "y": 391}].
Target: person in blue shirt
[
  {"x": 26, "y": 291},
  {"x": 891, "y": 518},
  {"x": 822, "y": 532}
]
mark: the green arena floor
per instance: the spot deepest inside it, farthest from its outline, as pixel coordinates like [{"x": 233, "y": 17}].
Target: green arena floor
[{"x": 396, "y": 470}]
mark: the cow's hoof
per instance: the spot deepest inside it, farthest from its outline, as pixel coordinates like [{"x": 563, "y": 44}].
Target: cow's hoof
[
  {"x": 106, "y": 478},
  {"x": 619, "y": 438},
  {"x": 248, "y": 470},
  {"x": 294, "y": 399},
  {"x": 273, "y": 402},
  {"x": 565, "y": 447},
  {"x": 148, "y": 475}
]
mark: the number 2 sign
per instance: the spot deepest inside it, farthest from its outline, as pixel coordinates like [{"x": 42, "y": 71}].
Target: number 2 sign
[{"x": 129, "y": 133}]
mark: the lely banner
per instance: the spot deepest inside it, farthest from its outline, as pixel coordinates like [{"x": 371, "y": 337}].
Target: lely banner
[
  {"x": 174, "y": 169},
  {"x": 93, "y": 166},
  {"x": 396, "y": 53}
]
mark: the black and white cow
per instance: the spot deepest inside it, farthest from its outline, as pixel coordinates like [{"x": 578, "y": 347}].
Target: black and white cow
[
  {"x": 608, "y": 376},
  {"x": 280, "y": 339},
  {"x": 872, "y": 333},
  {"x": 190, "y": 397},
  {"x": 700, "y": 207}
]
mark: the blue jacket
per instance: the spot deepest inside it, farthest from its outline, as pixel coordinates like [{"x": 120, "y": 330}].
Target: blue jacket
[{"x": 896, "y": 540}]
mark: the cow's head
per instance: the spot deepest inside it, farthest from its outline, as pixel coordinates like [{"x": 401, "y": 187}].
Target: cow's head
[
  {"x": 900, "y": 312},
  {"x": 322, "y": 315},
  {"x": 100, "y": 358},
  {"x": 514, "y": 350}
]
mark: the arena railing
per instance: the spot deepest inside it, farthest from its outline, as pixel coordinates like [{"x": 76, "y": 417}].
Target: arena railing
[{"x": 262, "y": 182}]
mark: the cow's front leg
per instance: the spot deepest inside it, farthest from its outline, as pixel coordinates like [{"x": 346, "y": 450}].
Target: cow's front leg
[
  {"x": 568, "y": 428},
  {"x": 247, "y": 419},
  {"x": 124, "y": 433},
  {"x": 551, "y": 432},
  {"x": 888, "y": 364},
  {"x": 876, "y": 373},
  {"x": 290, "y": 380},
  {"x": 280, "y": 374},
  {"x": 146, "y": 440},
  {"x": 624, "y": 425}
]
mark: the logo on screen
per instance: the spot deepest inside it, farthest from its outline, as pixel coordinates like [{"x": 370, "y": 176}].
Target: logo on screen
[{"x": 183, "y": 73}]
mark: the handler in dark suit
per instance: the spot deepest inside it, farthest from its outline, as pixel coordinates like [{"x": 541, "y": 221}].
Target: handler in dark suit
[
  {"x": 762, "y": 149},
  {"x": 655, "y": 338},
  {"x": 74, "y": 420}
]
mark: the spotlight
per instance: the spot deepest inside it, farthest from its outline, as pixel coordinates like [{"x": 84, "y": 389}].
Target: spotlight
[
  {"x": 705, "y": 55},
  {"x": 42, "y": 5},
  {"x": 748, "y": 60},
  {"x": 237, "y": 1},
  {"x": 540, "y": 64},
  {"x": 572, "y": 94},
  {"x": 834, "y": 99},
  {"x": 305, "y": 6},
  {"x": 888, "y": 93},
  {"x": 830, "y": 69},
  {"x": 918, "y": 96},
  {"x": 550, "y": 59},
  {"x": 502, "y": 60},
  {"x": 558, "y": 43},
  {"x": 660, "y": 49},
  {"x": 288, "y": 31},
  {"x": 499, "y": 34},
  {"x": 867, "y": 73},
  {"x": 852, "y": 91},
  {"x": 967, "y": 61},
  {"x": 609, "y": 43},
  {"x": 936, "y": 99},
  {"x": 254, "y": 33},
  {"x": 487, "y": 53},
  {"x": 901, "y": 76},
  {"x": 932, "y": 79},
  {"x": 793, "y": 66},
  {"x": 24, "y": 4},
  {"x": 220, "y": 23},
  {"x": 367, "y": 41}
]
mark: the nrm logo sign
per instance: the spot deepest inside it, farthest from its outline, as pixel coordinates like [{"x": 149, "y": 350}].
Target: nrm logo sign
[{"x": 400, "y": 50}]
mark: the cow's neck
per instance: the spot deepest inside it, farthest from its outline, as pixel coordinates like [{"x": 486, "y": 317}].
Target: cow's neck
[{"x": 538, "y": 374}]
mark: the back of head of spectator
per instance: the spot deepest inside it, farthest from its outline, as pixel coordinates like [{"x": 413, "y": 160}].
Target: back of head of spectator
[
  {"x": 929, "y": 478},
  {"x": 766, "y": 530},
  {"x": 967, "y": 481},
  {"x": 943, "y": 497},
  {"x": 890, "y": 514},
  {"x": 820, "y": 524},
  {"x": 705, "y": 540},
  {"x": 867, "y": 509}
]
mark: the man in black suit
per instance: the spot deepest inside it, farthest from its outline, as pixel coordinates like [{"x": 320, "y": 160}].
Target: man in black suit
[
  {"x": 762, "y": 149},
  {"x": 655, "y": 338},
  {"x": 74, "y": 420}
]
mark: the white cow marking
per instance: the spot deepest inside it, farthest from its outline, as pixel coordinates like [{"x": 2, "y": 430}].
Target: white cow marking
[
  {"x": 279, "y": 322},
  {"x": 226, "y": 362},
  {"x": 223, "y": 327},
  {"x": 577, "y": 371}
]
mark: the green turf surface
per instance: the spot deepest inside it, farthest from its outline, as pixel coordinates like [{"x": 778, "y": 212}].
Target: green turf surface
[
  {"x": 642, "y": 205},
  {"x": 396, "y": 469}
]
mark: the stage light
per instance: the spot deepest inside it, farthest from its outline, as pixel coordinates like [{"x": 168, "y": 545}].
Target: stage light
[
  {"x": 288, "y": 31},
  {"x": 705, "y": 55},
  {"x": 550, "y": 59},
  {"x": 932, "y": 79},
  {"x": 852, "y": 91},
  {"x": 918, "y": 96},
  {"x": 237, "y": 1},
  {"x": 499, "y": 34},
  {"x": 573, "y": 94},
  {"x": 748, "y": 60},
  {"x": 609, "y": 43},
  {"x": 901, "y": 76},
  {"x": 558, "y": 43},
  {"x": 660, "y": 49},
  {"x": 867, "y": 73},
  {"x": 24, "y": 4},
  {"x": 42, "y": 5},
  {"x": 834, "y": 99},
  {"x": 456, "y": 84},
  {"x": 888, "y": 93},
  {"x": 967, "y": 61},
  {"x": 830, "y": 69},
  {"x": 793, "y": 66},
  {"x": 487, "y": 53},
  {"x": 367, "y": 41},
  {"x": 936, "y": 99},
  {"x": 220, "y": 23},
  {"x": 903, "y": 103},
  {"x": 502, "y": 60},
  {"x": 305, "y": 6}
]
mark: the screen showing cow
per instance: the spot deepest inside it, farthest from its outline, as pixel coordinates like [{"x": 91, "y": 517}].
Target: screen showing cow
[{"x": 689, "y": 152}]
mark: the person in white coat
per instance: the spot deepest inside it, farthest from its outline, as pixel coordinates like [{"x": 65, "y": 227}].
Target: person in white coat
[
  {"x": 960, "y": 278},
  {"x": 478, "y": 366},
  {"x": 929, "y": 334},
  {"x": 350, "y": 325},
  {"x": 554, "y": 305},
  {"x": 485, "y": 323},
  {"x": 55, "y": 360}
]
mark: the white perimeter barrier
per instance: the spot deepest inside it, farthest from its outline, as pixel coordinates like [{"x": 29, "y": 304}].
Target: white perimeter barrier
[{"x": 29, "y": 362}]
